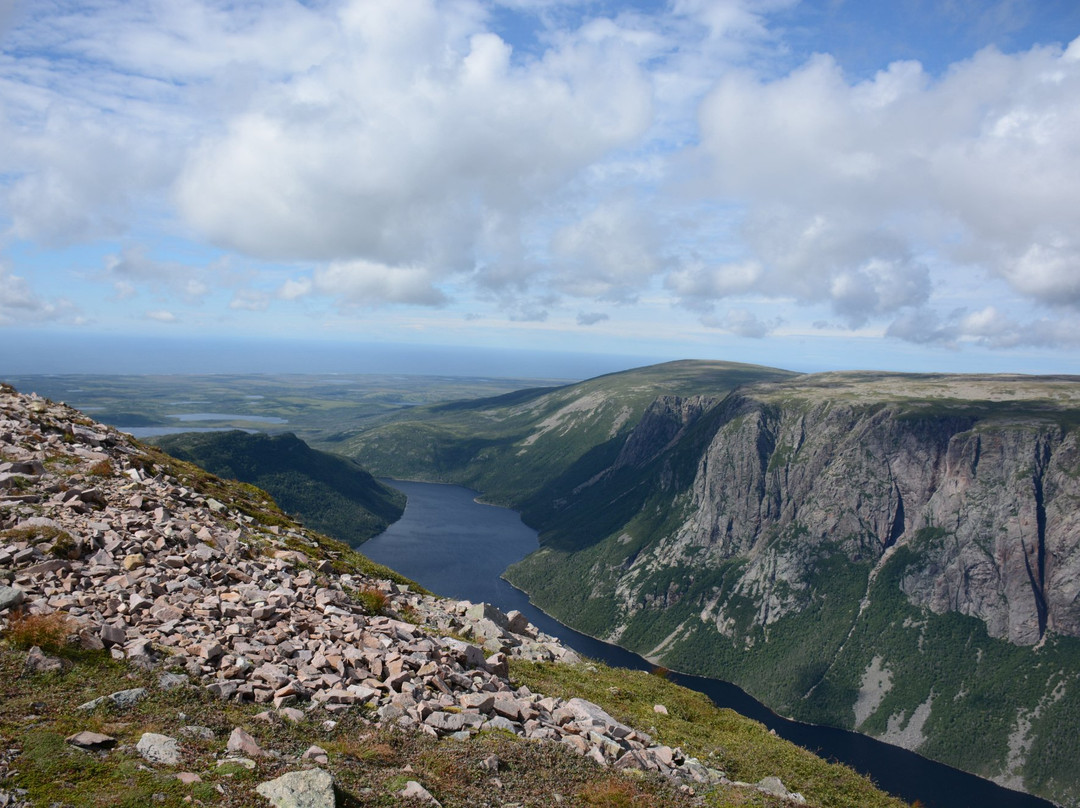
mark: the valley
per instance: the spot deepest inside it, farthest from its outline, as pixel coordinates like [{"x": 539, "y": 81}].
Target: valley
[
  {"x": 888, "y": 553},
  {"x": 891, "y": 553}
]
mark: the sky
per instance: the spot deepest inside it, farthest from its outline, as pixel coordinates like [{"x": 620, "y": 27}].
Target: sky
[{"x": 813, "y": 185}]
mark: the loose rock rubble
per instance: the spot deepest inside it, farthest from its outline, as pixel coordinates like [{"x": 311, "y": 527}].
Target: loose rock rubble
[{"x": 156, "y": 572}]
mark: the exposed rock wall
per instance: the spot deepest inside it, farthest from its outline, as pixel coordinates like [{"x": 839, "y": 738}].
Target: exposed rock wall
[
  {"x": 775, "y": 482},
  {"x": 794, "y": 539}
]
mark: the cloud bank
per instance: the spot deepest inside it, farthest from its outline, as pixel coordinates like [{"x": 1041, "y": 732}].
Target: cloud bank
[{"x": 407, "y": 153}]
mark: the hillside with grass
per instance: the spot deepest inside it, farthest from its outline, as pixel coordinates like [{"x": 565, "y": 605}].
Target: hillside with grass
[
  {"x": 533, "y": 442},
  {"x": 330, "y": 493}
]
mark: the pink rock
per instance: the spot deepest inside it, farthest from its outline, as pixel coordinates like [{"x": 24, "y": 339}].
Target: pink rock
[{"x": 242, "y": 743}]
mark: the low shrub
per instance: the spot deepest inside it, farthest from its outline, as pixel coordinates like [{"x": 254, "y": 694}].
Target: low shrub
[
  {"x": 49, "y": 632},
  {"x": 103, "y": 468},
  {"x": 612, "y": 792},
  {"x": 373, "y": 600}
]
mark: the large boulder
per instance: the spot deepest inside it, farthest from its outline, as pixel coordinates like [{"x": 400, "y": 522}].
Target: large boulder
[
  {"x": 10, "y": 596},
  {"x": 307, "y": 789}
]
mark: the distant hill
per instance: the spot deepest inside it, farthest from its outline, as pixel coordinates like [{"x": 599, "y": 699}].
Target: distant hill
[
  {"x": 327, "y": 492},
  {"x": 526, "y": 448}
]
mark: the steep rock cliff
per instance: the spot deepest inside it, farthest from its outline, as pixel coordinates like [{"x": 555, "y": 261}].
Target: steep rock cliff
[
  {"x": 867, "y": 479},
  {"x": 899, "y": 555}
]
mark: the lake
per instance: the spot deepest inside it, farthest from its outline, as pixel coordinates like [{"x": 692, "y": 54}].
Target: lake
[
  {"x": 226, "y": 416},
  {"x": 157, "y": 431},
  {"x": 459, "y": 548}
]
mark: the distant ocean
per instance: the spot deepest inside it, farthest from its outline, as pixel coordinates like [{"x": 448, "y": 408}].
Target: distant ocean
[{"x": 46, "y": 353}]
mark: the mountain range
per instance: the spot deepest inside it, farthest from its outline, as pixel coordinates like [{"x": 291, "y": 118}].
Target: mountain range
[{"x": 172, "y": 638}]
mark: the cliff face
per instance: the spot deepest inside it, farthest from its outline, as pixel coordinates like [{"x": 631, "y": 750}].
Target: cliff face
[
  {"x": 1001, "y": 498},
  {"x": 901, "y": 561}
]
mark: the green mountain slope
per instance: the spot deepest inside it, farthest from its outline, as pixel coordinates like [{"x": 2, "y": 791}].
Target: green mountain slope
[
  {"x": 892, "y": 554},
  {"x": 329, "y": 493},
  {"x": 514, "y": 447}
]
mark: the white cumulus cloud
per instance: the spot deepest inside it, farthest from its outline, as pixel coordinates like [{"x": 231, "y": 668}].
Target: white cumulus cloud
[
  {"x": 19, "y": 304},
  {"x": 849, "y": 186},
  {"x": 403, "y": 152},
  {"x": 362, "y": 283},
  {"x": 404, "y": 138}
]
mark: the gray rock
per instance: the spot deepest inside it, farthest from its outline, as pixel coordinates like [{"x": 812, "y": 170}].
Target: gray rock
[
  {"x": 91, "y": 740},
  {"x": 498, "y": 664},
  {"x": 587, "y": 713},
  {"x": 485, "y": 611},
  {"x": 446, "y": 722},
  {"x": 203, "y": 733},
  {"x": 516, "y": 622},
  {"x": 306, "y": 789},
  {"x": 112, "y": 635},
  {"x": 505, "y": 724},
  {"x": 157, "y": 748},
  {"x": 10, "y": 596},
  {"x": 472, "y": 655},
  {"x": 170, "y": 681},
  {"x": 37, "y": 661},
  {"x": 772, "y": 785},
  {"x": 128, "y": 698}
]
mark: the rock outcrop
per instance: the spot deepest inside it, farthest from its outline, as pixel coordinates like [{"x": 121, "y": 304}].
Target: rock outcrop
[{"x": 870, "y": 479}]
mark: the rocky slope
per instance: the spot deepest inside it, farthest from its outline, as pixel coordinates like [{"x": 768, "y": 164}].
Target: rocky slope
[
  {"x": 211, "y": 592},
  {"x": 895, "y": 554}
]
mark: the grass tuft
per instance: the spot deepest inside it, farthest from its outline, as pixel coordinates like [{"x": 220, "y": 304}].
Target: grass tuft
[
  {"x": 612, "y": 792},
  {"x": 49, "y": 632},
  {"x": 103, "y": 468},
  {"x": 373, "y": 600}
]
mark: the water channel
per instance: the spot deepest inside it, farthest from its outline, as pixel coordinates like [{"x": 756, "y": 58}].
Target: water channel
[{"x": 458, "y": 548}]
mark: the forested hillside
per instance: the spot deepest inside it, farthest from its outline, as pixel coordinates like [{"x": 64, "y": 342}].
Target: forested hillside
[{"x": 327, "y": 492}]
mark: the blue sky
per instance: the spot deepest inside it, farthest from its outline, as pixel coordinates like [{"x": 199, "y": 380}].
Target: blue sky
[{"x": 810, "y": 185}]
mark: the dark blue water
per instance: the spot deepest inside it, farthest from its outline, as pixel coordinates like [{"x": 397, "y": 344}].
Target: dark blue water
[{"x": 458, "y": 548}]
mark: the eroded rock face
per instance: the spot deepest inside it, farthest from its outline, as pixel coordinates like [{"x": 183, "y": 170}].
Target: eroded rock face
[
  {"x": 775, "y": 483},
  {"x": 789, "y": 534}
]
